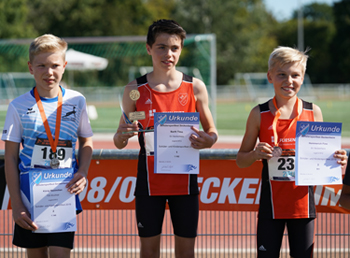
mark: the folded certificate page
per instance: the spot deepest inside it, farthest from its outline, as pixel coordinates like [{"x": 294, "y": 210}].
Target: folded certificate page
[
  {"x": 315, "y": 144},
  {"x": 52, "y": 206},
  {"x": 173, "y": 153}
]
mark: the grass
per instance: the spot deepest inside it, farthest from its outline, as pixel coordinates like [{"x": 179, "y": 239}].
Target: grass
[{"x": 231, "y": 116}]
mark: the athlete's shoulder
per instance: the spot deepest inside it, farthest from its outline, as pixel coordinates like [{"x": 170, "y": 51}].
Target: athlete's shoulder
[
  {"x": 72, "y": 93},
  {"x": 73, "y": 96},
  {"x": 22, "y": 99}
]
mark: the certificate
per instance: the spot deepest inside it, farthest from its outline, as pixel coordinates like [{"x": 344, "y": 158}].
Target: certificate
[
  {"x": 52, "y": 206},
  {"x": 173, "y": 153},
  {"x": 316, "y": 143}
]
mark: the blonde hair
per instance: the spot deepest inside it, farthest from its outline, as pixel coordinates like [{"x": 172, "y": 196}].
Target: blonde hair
[
  {"x": 284, "y": 55},
  {"x": 47, "y": 43}
]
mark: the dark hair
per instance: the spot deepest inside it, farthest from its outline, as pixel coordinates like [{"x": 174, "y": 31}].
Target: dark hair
[{"x": 165, "y": 26}]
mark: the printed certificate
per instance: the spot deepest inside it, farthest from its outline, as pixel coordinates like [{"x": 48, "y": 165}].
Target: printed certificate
[
  {"x": 315, "y": 144},
  {"x": 173, "y": 153},
  {"x": 52, "y": 206}
]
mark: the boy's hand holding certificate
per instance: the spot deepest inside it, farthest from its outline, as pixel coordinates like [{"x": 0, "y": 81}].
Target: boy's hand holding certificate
[{"x": 315, "y": 144}]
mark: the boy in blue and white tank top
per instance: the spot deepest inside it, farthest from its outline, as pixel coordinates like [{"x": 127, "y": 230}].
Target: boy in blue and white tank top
[{"x": 48, "y": 121}]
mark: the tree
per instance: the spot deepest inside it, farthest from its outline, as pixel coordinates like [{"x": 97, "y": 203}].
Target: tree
[
  {"x": 81, "y": 18},
  {"x": 316, "y": 12},
  {"x": 13, "y": 20},
  {"x": 319, "y": 31},
  {"x": 340, "y": 46},
  {"x": 243, "y": 39}
]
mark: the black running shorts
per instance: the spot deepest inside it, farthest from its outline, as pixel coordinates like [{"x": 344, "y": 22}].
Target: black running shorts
[{"x": 184, "y": 210}]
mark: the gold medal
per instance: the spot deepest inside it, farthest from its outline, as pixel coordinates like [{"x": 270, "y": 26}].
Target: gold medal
[{"x": 134, "y": 95}]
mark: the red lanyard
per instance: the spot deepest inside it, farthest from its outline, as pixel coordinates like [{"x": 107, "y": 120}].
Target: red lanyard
[
  {"x": 278, "y": 114},
  {"x": 53, "y": 143}
]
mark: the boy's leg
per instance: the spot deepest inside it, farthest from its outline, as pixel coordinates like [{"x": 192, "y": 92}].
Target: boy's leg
[
  {"x": 269, "y": 237},
  {"x": 37, "y": 252},
  {"x": 184, "y": 210},
  {"x": 149, "y": 217},
  {"x": 45, "y": 252},
  {"x": 184, "y": 247},
  {"x": 59, "y": 252},
  {"x": 301, "y": 237},
  {"x": 150, "y": 247}
]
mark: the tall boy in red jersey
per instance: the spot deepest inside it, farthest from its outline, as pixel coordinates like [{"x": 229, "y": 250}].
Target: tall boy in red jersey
[{"x": 165, "y": 90}]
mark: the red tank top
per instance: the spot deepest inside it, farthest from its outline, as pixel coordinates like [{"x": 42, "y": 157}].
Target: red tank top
[
  {"x": 180, "y": 100},
  {"x": 280, "y": 197}
]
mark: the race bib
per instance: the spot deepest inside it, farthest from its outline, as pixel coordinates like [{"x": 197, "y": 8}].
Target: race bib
[
  {"x": 42, "y": 153},
  {"x": 282, "y": 168}
]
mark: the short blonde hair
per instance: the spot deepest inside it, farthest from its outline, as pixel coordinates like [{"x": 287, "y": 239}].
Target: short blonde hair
[
  {"x": 47, "y": 43},
  {"x": 284, "y": 55}
]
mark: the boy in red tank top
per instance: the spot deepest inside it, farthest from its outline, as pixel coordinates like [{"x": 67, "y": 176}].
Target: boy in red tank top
[
  {"x": 282, "y": 203},
  {"x": 165, "y": 90}
]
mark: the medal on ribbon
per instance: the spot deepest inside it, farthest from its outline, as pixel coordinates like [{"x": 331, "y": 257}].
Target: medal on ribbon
[
  {"x": 54, "y": 162},
  {"x": 277, "y": 151}
]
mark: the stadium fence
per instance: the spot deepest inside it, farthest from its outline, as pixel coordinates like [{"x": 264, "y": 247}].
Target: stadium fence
[{"x": 226, "y": 228}]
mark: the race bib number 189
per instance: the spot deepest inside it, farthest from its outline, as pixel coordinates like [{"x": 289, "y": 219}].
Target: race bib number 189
[{"x": 42, "y": 153}]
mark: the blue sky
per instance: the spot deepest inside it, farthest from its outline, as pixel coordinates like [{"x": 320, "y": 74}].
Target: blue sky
[{"x": 283, "y": 9}]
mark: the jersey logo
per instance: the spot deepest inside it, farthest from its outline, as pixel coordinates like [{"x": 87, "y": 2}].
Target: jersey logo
[
  {"x": 30, "y": 111},
  {"x": 70, "y": 115},
  {"x": 183, "y": 98},
  {"x": 73, "y": 112},
  {"x": 151, "y": 112},
  {"x": 148, "y": 102}
]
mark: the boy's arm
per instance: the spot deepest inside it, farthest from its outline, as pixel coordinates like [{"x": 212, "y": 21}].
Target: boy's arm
[
  {"x": 317, "y": 113},
  {"x": 248, "y": 153},
  {"x": 207, "y": 138},
  {"x": 19, "y": 212},
  {"x": 78, "y": 182},
  {"x": 344, "y": 199},
  {"x": 122, "y": 136}
]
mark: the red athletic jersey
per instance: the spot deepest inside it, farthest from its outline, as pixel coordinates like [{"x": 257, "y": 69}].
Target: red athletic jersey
[
  {"x": 280, "y": 197},
  {"x": 151, "y": 101}
]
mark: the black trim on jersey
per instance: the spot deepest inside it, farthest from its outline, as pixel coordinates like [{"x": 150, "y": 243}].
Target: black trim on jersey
[
  {"x": 187, "y": 78},
  {"x": 141, "y": 80},
  {"x": 307, "y": 105},
  {"x": 265, "y": 106}
]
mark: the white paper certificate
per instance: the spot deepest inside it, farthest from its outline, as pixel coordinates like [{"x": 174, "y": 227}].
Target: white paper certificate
[
  {"x": 52, "y": 206},
  {"x": 316, "y": 143},
  {"x": 173, "y": 153}
]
